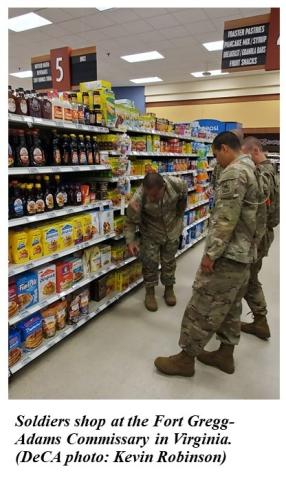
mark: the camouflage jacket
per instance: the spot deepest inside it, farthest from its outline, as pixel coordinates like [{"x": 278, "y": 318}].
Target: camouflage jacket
[
  {"x": 267, "y": 168},
  {"x": 232, "y": 226},
  {"x": 158, "y": 220}
]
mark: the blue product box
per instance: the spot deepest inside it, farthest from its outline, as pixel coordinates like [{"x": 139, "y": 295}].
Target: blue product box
[{"x": 27, "y": 289}]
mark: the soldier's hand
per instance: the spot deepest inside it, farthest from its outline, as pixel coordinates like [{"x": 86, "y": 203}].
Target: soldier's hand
[
  {"x": 133, "y": 249},
  {"x": 207, "y": 265}
]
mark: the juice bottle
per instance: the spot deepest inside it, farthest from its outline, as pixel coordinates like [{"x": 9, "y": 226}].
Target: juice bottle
[
  {"x": 22, "y": 154},
  {"x": 39, "y": 197},
  {"x": 31, "y": 208},
  {"x": 37, "y": 153},
  {"x": 74, "y": 150},
  {"x": 66, "y": 150},
  {"x": 48, "y": 195},
  {"x": 56, "y": 151},
  {"x": 89, "y": 151},
  {"x": 11, "y": 100}
]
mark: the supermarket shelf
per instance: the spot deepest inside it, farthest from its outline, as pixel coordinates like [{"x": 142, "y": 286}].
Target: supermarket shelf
[
  {"x": 42, "y": 122},
  {"x": 158, "y": 132},
  {"x": 140, "y": 177},
  {"x": 196, "y": 222},
  {"x": 190, "y": 245},
  {"x": 153, "y": 154},
  {"x": 53, "y": 298},
  {"x": 15, "y": 222},
  {"x": 198, "y": 204},
  {"x": 14, "y": 269},
  {"x": 58, "y": 169}
]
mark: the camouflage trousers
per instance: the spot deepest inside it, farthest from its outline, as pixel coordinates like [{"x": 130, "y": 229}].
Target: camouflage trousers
[
  {"x": 254, "y": 295},
  {"x": 153, "y": 252},
  {"x": 215, "y": 306}
]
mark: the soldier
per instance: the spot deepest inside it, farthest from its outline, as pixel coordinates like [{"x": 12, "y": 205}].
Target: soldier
[
  {"x": 254, "y": 295},
  {"x": 157, "y": 207},
  {"x": 222, "y": 279}
]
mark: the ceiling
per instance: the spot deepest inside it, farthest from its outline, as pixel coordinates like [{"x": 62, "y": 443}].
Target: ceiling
[{"x": 177, "y": 33}]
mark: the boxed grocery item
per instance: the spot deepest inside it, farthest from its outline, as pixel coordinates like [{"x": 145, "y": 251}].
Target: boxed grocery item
[
  {"x": 94, "y": 85},
  {"x": 98, "y": 289},
  {"x": 110, "y": 283},
  {"x": 132, "y": 273},
  {"x": 84, "y": 301},
  {"x": 49, "y": 321},
  {"x": 139, "y": 144},
  {"x": 31, "y": 332},
  {"x": 86, "y": 226},
  {"x": 77, "y": 229},
  {"x": 50, "y": 239},
  {"x": 108, "y": 107},
  {"x": 73, "y": 309},
  {"x": 95, "y": 226},
  {"x": 105, "y": 255},
  {"x": 106, "y": 222},
  {"x": 119, "y": 224},
  {"x": 61, "y": 313},
  {"x": 66, "y": 234},
  {"x": 156, "y": 143},
  {"x": 117, "y": 253},
  {"x": 13, "y": 305},
  {"x": 95, "y": 259},
  {"x": 14, "y": 347},
  {"x": 27, "y": 289},
  {"x": 77, "y": 268},
  {"x": 122, "y": 279},
  {"x": 46, "y": 281},
  {"x": 19, "y": 246},
  {"x": 34, "y": 239},
  {"x": 64, "y": 276}
]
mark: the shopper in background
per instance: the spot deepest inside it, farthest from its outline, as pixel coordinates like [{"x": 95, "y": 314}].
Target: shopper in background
[
  {"x": 157, "y": 208},
  {"x": 222, "y": 279},
  {"x": 254, "y": 295}
]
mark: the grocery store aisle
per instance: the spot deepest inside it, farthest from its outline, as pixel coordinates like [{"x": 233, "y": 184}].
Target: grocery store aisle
[{"x": 112, "y": 356}]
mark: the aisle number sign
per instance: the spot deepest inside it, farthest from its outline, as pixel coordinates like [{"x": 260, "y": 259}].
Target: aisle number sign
[{"x": 64, "y": 68}]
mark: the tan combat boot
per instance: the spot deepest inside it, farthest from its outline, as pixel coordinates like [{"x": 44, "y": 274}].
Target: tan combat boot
[
  {"x": 221, "y": 358},
  {"x": 259, "y": 327},
  {"x": 169, "y": 296},
  {"x": 180, "y": 364},
  {"x": 150, "y": 299}
]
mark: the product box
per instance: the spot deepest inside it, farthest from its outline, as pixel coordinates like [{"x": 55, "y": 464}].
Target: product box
[
  {"x": 95, "y": 85},
  {"x": 95, "y": 226},
  {"x": 64, "y": 276},
  {"x": 13, "y": 305},
  {"x": 46, "y": 281},
  {"x": 110, "y": 283},
  {"x": 77, "y": 268},
  {"x": 98, "y": 289},
  {"x": 77, "y": 229},
  {"x": 66, "y": 234},
  {"x": 27, "y": 290},
  {"x": 49, "y": 316},
  {"x": 34, "y": 239},
  {"x": 31, "y": 332},
  {"x": 19, "y": 246},
  {"x": 122, "y": 280},
  {"x": 106, "y": 222},
  {"x": 95, "y": 259},
  {"x": 14, "y": 347},
  {"x": 119, "y": 225},
  {"x": 61, "y": 313},
  {"x": 86, "y": 226},
  {"x": 50, "y": 239},
  {"x": 117, "y": 253},
  {"x": 156, "y": 144},
  {"x": 105, "y": 255},
  {"x": 139, "y": 144}
]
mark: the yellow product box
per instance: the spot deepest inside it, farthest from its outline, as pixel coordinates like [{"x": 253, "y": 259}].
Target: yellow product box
[
  {"x": 19, "y": 246},
  {"x": 122, "y": 280},
  {"x": 136, "y": 168},
  {"x": 147, "y": 166},
  {"x": 50, "y": 239},
  {"x": 77, "y": 229},
  {"x": 66, "y": 234},
  {"x": 95, "y": 227},
  {"x": 108, "y": 107},
  {"x": 132, "y": 273},
  {"x": 95, "y": 259},
  {"x": 95, "y": 85},
  {"x": 35, "y": 247},
  {"x": 87, "y": 226},
  {"x": 105, "y": 255},
  {"x": 156, "y": 144},
  {"x": 110, "y": 283},
  {"x": 117, "y": 253},
  {"x": 118, "y": 225}
]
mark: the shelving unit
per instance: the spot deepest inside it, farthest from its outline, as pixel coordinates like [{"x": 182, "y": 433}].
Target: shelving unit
[{"x": 60, "y": 169}]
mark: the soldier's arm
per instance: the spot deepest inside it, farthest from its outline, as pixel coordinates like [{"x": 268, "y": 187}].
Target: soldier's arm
[
  {"x": 232, "y": 189},
  {"x": 182, "y": 188},
  {"x": 133, "y": 214}
]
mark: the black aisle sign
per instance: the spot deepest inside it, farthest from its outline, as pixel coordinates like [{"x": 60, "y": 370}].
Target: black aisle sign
[
  {"x": 245, "y": 47},
  {"x": 42, "y": 75},
  {"x": 83, "y": 68}
]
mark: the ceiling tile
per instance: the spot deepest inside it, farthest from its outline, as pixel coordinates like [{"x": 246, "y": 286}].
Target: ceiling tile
[
  {"x": 182, "y": 42},
  {"x": 137, "y": 27},
  {"x": 75, "y": 26},
  {"x": 55, "y": 15},
  {"x": 162, "y": 21},
  {"x": 98, "y": 20},
  {"x": 222, "y": 12},
  {"x": 190, "y": 15},
  {"x": 114, "y": 32},
  {"x": 150, "y": 12},
  {"x": 200, "y": 27},
  {"x": 174, "y": 32},
  {"x": 123, "y": 15}
]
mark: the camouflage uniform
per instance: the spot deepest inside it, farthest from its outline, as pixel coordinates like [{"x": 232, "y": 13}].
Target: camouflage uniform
[
  {"x": 160, "y": 225},
  {"x": 254, "y": 295},
  {"x": 215, "y": 305}
]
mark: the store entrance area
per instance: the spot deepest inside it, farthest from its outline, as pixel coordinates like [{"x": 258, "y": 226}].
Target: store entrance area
[{"x": 111, "y": 357}]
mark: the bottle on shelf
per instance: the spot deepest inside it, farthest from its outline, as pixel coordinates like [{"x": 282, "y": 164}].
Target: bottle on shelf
[
  {"x": 21, "y": 103},
  {"x": 96, "y": 152},
  {"x": 34, "y": 104},
  {"x": 80, "y": 110},
  {"x": 46, "y": 107},
  {"x": 98, "y": 115},
  {"x": 86, "y": 112},
  {"x": 11, "y": 159},
  {"x": 37, "y": 153},
  {"x": 82, "y": 150},
  {"x": 89, "y": 150},
  {"x": 59, "y": 200},
  {"x": 66, "y": 150},
  {"x": 22, "y": 154},
  {"x": 31, "y": 208},
  {"x": 48, "y": 194},
  {"x": 74, "y": 150},
  {"x": 39, "y": 198},
  {"x": 78, "y": 195},
  {"x": 12, "y": 106},
  {"x": 92, "y": 193},
  {"x": 16, "y": 204},
  {"x": 56, "y": 151}
]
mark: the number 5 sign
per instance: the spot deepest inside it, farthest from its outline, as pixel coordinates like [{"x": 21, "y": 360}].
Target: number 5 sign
[{"x": 61, "y": 69}]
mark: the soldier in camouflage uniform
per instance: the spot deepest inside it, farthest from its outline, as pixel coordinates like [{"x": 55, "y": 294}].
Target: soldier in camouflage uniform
[
  {"x": 157, "y": 207},
  {"x": 222, "y": 279},
  {"x": 254, "y": 295}
]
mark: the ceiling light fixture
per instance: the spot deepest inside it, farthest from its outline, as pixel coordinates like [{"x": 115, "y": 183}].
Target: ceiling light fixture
[
  {"x": 101, "y": 8},
  {"x": 146, "y": 80},
  {"x": 142, "y": 57},
  {"x": 210, "y": 73},
  {"x": 214, "y": 46},
  {"x": 22, "y": 74},
  {"x": 27, "y": 22}
]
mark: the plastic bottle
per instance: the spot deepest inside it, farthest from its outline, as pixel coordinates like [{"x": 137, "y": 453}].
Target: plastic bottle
[
  {"x": 46, "y": 107},
  {"x": 86, "y": 111},
  {"x": 31, "y": 208},
  {"x": 74, "y": 150},
  {"x": 34, "y": 105},
  {"x": 82, "y": 150},
  {"x": 48, "y": 195},
  {"x": 74, "y": 106},
  {"x": 22, "y": 154},
  {"x": 96, "y": 152},
  {"x": 11, "y": 159},
  {"x": 67, "y": 108},
  {"x": 17, "y": 205},
  {"x": 66, "y": 150},
  {"x": 78, "y": 195},
  {"x": 11, "y": 100},
  {"x": 39, "y": 197},
  {"x": 57, "y": 108},
  {"x": 59, "y": 200},
  {"x": 37, "y": 153},
  {"x": 89, "y": 150},
  {"x": 21, "y": 103},
  {"x": 56, "y": 151}
]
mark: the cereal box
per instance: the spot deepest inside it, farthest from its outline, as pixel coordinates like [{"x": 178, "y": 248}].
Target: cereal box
[
  {"x": 64, "y": 276},
  {"x": 117, "y": 253},
  {"x": 31, "y": 332},
  {"x": 27, "y": 289},
  {"x": 66, "y": 234},
  {"x": 34, "y": 238},
  {"x": 50, "y": 239},
  {"x": 19, "y": 247},
  {"x": 46, "y": 281},
  {"x": 106, "y": 222},
  {"x": 105, "y": 254},
  {"x": 95, "y": 226}
]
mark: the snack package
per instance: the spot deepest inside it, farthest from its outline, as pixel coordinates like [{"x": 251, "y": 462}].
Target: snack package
[
  {"x": 105, "y": 254},
  {"x": 27, "y": 290},
  {"x": 19, "y": 246},
  {"x": 139, "y": 143},
  {"x": 118, "y": 225},
  {"x": 77, "y": 229},
  {"x": 117, "y": 253},
  {"x": 156, "y": 144},
  {"x": 46, "y": 281},
  {"x": 13, "y": 305},
  {"x": 85, "y": 194},
  {"x": 86, "y": 261},
  {"x": 98, "y": 289},
  {"x": 61, "y": 314},
  {"x": 50, "y": 239},
  {"x": 66, "y": 234},
  {"x": 95, "y": 259},
  {"x": 77, "y": 268},
  {"x": 95, "y": 226},
  {"x": 14, "y": 347},
  {"x": 34, "y": 242},
  {"x": 106, "y": 222},
  {"x": 49, "y": 321},
  {"x": 86, "y": 226},
  {"x": 73, "y": 308},
  {"x": 31, "y": 332},
  {"x": 84, "y": 301},
  {"x": 64, "y": 276}
]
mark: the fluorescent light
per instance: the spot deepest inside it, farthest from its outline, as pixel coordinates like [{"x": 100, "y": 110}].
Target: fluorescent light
[
  {"x": 27, "y": 22},
  {"x": 101, "y": 8},
  {"x": 214, "y": 46},
  {"x": 146, "y": 80},
  {"x": 212, "y": 73},
  {"x": 23, "y": 74},
  {"x": 142, "y": 57}
]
